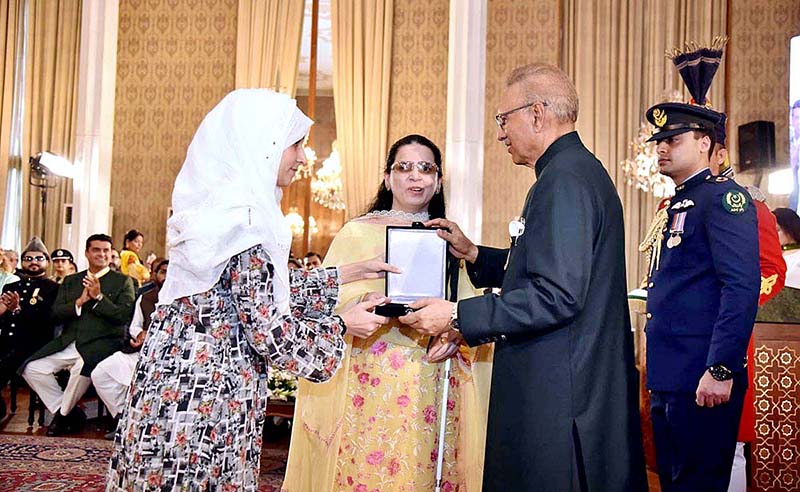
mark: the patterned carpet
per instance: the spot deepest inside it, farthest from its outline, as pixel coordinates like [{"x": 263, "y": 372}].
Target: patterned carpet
[{"x": 62, "y": 464}]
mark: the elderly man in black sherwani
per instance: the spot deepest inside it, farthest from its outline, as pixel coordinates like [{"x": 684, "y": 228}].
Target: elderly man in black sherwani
[{"x": 563, "y": 414}]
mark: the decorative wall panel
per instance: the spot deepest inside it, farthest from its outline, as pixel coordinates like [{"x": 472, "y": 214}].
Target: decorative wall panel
[
  {"x": 758, "y": 54},
  {"x": 517, "y": 33},
  {"x": 418, "y": 97},
  {"x": 776, "y": 454},
  {"x": 175, "y": 61}
]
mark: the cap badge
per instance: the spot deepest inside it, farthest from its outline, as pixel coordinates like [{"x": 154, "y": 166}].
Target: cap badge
[{"x": 660, "y": 117}]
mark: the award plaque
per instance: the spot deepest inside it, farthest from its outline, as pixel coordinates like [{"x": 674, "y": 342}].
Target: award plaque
[{"x": 421, "y": 256}]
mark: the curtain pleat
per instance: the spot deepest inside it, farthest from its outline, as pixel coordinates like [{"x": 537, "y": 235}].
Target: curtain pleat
[
  {"x": 50, "y": 108},
  {"x": 614, "y": 50},
  {"x": 362, "y": 64},
  {"x": 268, "y": 44},
  {"x": 10, "y": 12}
]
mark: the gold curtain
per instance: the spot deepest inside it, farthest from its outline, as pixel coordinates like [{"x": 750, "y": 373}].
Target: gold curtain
[
  {"x": 614, "y": 50},
  {"x": 10, "y": 12},
  {"x": 50, "y": 108},
  {"x": 362, "y": 65},
  {"x": 268, "y": 39}
]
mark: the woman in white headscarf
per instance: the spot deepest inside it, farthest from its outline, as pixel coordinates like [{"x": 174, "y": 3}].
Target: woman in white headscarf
[{"x": 229, "y": 308}]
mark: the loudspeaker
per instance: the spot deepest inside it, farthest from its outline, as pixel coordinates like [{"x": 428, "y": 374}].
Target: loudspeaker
[{"x": 756, "y": 145}]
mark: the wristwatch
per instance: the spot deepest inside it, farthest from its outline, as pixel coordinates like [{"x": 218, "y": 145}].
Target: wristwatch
[
  {"x": 454, "y": 324},
  {"x": 720, "y": 372}
]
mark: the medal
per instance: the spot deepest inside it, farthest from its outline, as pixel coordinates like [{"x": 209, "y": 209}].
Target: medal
[
  {"x": 34, "y": 297},
  {"x": 676, "y": 229}
]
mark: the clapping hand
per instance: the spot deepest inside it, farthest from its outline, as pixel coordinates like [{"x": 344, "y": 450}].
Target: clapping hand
[
  {"x": 460, "y": 246},
  {"x": 10, "y": 300},
  {"x": 150, "y": 259},
  {"x": 91, "y": 285}
]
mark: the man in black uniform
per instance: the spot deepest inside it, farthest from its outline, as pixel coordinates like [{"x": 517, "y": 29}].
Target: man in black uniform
[{"x": 25, "y": 323}]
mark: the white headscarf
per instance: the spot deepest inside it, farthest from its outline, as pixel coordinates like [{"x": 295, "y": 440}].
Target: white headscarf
[{"x": 226, "y": 199}]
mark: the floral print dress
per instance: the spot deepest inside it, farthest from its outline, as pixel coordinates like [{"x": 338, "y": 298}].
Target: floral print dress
[{"x": 198, "y": 401}]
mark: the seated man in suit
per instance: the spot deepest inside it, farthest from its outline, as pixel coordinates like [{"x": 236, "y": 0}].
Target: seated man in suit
[{"x": 94, "y": 305}]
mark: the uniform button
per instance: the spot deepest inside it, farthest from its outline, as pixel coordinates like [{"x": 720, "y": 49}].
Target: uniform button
[
  {"x": 649, "y": 315},
  {"x": 650, "y": 285},
  {"x": 13, "y": 325},
  {"x": 503, "y": 338}
]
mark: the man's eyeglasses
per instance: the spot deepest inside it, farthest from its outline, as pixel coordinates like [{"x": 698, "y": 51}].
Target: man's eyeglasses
[
  {"x": 501, "y": 118},
  {"x": 34, "y": 258},
  {"x": 424, "y": 167}
]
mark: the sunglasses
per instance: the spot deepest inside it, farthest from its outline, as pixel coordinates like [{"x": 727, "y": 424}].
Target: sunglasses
[
  {"x": 34, "y": 258},
  {"x": 424, "y": 167}
]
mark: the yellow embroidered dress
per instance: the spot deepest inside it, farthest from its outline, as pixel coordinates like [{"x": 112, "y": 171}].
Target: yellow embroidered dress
[
  {"x": 131, "y": 265},
  {"x": 374, "y": 426}
]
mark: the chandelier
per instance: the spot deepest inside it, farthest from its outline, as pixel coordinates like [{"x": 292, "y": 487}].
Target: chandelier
[
  {"x": 306, "y": 169},
  {"x": 298, "y": 225},
  {"x": 641, "y": 170},
  {"x": 326, "y": 187}
]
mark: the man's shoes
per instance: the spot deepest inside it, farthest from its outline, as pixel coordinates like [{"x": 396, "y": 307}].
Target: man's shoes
[
  {"x": 112, "y": 428},
  {"x": 61, "y": 425},
  {"x": 75, "y": 420},
  {"x": 3, "y": 410},
  {"x": 58, "y": 426}
]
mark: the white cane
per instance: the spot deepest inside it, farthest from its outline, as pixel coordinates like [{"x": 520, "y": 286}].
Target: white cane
[{"x": 442, "y": 425}]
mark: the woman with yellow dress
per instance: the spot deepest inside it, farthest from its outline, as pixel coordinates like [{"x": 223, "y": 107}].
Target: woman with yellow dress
[
  {"x": 130, "y": 264},
  {"x": 374, "y": 426}
]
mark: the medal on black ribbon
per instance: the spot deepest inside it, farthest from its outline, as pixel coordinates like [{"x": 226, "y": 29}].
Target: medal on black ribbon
[{"x": 676, "y": 229}]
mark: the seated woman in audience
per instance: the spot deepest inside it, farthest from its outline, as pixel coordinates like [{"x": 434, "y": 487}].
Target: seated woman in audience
[
  {"x": 789, "y": 236},
  {"x": 194, "y": 416},
  {"x": 374, "y": 425},
  {"x": 130, "y": 264}
]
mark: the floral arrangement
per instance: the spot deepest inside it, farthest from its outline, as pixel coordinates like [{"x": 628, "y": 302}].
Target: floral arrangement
[{"x": 282, "y": 385}]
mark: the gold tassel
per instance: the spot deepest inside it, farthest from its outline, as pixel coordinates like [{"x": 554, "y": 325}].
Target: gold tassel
[
  {"x": 651, "y": 244},
  {"x": 717, "y": 44}
]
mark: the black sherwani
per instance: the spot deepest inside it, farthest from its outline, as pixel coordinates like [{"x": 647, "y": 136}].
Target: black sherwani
[
  {"x": 23, "y": 333},
  {"x": 564, "y": 384}
]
